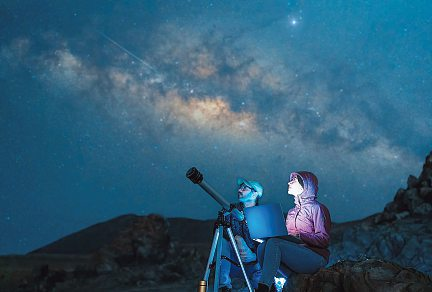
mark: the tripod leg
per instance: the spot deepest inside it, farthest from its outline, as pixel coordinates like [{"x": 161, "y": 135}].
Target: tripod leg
[
  {"x": 218, "y": 259},
  {"x": 234, "y": 245},
  {"x": 212, "y": 253}
]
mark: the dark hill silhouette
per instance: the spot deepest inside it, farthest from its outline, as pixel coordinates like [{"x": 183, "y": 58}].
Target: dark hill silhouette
[
  {"x": 90, "y": 239},
  {"x": 185, "y": 231}
]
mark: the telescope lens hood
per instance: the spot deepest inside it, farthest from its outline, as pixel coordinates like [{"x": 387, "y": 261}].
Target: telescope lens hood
[{"x": 194, "y": 175}]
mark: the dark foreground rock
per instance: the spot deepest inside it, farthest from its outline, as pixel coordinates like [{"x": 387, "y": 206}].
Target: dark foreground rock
[{"x": 360, "y": 276}]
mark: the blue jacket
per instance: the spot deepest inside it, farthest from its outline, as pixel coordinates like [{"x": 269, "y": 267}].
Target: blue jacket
[{"x": 240, "y": 228}]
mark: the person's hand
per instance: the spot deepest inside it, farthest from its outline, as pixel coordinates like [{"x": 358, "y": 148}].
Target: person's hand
[
  {"x": 237, "y": 214},
  {"x": 246, "y": 254}
]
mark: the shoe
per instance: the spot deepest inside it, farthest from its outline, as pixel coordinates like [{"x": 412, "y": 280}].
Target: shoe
[
  {"x": 225, "y": 289},
  {"x": 262, "y": 288}
]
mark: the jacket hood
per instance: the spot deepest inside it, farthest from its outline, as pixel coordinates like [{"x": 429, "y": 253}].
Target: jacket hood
[{"x": 310, "y": 187}]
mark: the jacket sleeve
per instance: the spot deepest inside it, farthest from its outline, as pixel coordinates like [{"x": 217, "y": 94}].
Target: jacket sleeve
[{"x": 321, "y": 235}]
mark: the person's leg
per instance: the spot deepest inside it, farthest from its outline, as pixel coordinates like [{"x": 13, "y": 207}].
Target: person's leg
[
  {"x": 300, "y": 259},
  {"x": 260, "y": 252},
  {"x": 284, "y": 271},
  {"x": 225, "y": 266},
  {"x": 253, "y": 272},
  {"x": 297, "y": 258},
  {"x": 271, "y": 260},
  {"x": 255, "y": 275}
]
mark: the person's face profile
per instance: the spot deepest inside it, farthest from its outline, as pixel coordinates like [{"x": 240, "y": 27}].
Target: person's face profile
[
  {"x": 245, "y": 193},
  {"x": 294, "y": 186}
]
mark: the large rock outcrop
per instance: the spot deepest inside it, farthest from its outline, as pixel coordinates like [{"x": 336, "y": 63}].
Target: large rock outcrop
[
  {"x": 402, "y": 233},
  {"x": 415, "y": 200}
]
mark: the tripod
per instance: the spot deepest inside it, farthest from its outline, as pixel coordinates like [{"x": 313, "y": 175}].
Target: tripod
[{"x": 216, "y": 247}]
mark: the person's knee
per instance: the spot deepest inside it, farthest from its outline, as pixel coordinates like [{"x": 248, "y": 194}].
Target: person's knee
[
  {"x": 260, "y": 252},
  {"x": 272, "y": 243}
]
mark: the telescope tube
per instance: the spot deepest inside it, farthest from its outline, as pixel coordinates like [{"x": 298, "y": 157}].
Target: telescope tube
[{"x": 197, "y": 178}]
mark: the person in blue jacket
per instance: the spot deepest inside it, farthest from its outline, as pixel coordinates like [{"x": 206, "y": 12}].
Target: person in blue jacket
[{"x": 249, "y": 193}]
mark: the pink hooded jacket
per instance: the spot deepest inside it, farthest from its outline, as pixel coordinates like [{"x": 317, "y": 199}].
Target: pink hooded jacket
[{"x": 309, "y": 218}]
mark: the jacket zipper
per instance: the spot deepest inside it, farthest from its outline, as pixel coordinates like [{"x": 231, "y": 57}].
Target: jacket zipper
[{"x": 295, "y": 218}]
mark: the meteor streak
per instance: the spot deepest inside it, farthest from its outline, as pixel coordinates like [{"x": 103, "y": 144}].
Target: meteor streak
[{"x": 127, "y": 51}]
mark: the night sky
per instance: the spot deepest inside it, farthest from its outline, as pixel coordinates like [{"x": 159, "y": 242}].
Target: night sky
[{"x": 104, "y": 106}]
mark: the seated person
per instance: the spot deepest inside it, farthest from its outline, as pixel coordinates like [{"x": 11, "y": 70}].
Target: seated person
[
  {"x": 310, "y": 222},
  {"x": 249, "y": 193}
]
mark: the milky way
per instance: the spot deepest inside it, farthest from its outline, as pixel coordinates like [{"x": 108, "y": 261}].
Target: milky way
[{"x": 105, "y": 106}]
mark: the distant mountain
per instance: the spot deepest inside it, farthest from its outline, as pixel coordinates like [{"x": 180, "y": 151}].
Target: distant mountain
[
  {"x": 185, "y": 231},
  {"x": 90, "y": 239}
]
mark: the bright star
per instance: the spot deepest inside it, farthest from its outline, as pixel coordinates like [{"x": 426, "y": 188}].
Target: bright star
[{"x": 294, "y": 20}]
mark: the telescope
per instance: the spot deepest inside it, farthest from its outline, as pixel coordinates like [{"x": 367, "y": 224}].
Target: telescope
[{"x": 197, "y": 178}]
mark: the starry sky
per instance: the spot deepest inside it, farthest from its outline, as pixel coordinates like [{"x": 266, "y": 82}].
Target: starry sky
[{"x": 104, "y": 106}]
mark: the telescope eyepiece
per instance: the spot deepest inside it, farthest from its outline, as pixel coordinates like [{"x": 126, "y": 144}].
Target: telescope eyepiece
[{"x": 194, "y": 175}]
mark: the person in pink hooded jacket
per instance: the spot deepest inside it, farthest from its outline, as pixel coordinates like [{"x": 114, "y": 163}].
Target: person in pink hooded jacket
[{"x": 310, "y": 222}]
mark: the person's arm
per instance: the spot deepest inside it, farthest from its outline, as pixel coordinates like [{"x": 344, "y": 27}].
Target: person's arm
[{"x": 321, "y": 237}]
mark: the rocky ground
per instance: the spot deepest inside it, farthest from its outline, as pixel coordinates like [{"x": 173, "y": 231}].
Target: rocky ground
[{"x": 388, "y": 251}]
